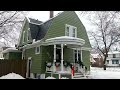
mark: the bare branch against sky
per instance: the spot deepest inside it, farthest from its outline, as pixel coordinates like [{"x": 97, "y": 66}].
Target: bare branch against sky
[
  {"x": 10, "y": 24},
  {"x": 107, "y": 31}
]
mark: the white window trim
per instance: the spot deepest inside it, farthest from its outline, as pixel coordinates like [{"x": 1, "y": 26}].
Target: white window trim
[
  {"x": 70, "y": 26},
  {"x": 28, "y": 34},
  {"x": 36, "y": 50},
  {"x": 23, "y": 36}
]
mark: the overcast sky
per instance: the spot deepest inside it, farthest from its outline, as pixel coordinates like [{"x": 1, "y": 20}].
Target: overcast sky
[{"x": 44, "y": 15}]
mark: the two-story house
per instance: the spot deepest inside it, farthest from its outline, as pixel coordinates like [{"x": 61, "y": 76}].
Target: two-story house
[
  {"x": 113, "y": 58},
  {"x": 56, "y": 46}
]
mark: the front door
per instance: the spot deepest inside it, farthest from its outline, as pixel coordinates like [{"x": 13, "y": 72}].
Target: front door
[
  {"x": 29, "y": 63},
  {"x": 58, "y": 55},
  {"x": 77, "y": 60}
]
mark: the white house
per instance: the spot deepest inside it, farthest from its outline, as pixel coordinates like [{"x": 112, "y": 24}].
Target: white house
[{"x": 113, "y": 58}]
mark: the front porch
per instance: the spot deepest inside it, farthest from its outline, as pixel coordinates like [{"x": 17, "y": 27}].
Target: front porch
[{"x": 60, "y": 67}]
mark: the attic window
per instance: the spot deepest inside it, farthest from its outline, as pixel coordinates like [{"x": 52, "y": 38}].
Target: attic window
[
  {"x": 70, "y": 31},
  {"x": 28, "y": 33},
  {"x": 37, "y": 50},
  {"x": 23, "y": 36}
]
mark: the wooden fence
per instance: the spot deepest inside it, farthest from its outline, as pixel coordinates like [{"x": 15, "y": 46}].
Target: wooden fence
[{"x": 15, "y": 66}]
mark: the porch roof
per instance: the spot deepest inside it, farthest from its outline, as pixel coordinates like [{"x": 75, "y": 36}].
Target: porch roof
[
  {"x": 10, "y": 50},
  {"x": 65, "y": 40}
]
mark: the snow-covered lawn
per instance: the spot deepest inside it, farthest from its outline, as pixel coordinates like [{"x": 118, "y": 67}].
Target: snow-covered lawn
[
  {"x": 109, "y": 73},
  {"x": 12, "y": 76}
]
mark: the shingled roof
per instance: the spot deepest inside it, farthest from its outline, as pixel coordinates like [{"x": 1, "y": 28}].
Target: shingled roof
[
  {"x": 39, "y": 29},
  {"x": 35, "y": 21}
]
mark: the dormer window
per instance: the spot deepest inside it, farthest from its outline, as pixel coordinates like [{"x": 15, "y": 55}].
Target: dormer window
[{"x": 70, "y": 31}]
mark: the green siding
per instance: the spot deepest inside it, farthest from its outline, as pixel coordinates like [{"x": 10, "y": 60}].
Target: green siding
[
  {"x": 36, "y": 60},
  {"x": 57, "y": 28},
  {"x": 6, "y": 55},
  {"x": 68, "y": 55},
  {"x": 15, "y": 55},
  {"x": 86, "y": 59},
  {"x": 25, "y": 28},
  {"x": 47, "y": 55}
]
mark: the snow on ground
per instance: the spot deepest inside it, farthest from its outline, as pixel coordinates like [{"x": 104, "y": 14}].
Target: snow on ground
[
  {"x": 109, "y": 73},
  {"x": 50, "y": 78},
  {"x": 12, "y": 76}
]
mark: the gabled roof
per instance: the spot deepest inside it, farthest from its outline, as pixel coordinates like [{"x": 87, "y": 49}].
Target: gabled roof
[
  {"x": 38, "y": 28},
  {"x": 34, "y": 21},
  {"x": 39, "y": 31}
]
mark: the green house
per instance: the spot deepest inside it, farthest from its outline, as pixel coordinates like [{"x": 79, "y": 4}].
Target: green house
[
  {"x": 55, "y": 46},
  {"x": 12, "y": 54}
]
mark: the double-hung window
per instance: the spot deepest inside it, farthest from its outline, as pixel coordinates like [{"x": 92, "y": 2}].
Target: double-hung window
[{"x": 70, "y": 31}]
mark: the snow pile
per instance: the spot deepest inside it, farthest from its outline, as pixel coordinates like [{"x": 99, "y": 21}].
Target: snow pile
[
  {"x": 64, "y": 78},
  {"x": 109, "y": 73},
  {"x": 12, "y": 76},
  {"x": 50, "y": 77}
]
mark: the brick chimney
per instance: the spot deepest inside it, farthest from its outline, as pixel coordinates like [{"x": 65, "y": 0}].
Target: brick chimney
[{"x": 51, "y": 14}]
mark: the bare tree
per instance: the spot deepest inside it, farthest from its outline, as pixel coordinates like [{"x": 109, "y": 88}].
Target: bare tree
[
  {"x": 10, "y": 24},
  {"x": 107, "y": 31}
]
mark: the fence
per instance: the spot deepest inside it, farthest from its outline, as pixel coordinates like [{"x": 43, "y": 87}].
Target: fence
[{"x": 15, "y": 66}]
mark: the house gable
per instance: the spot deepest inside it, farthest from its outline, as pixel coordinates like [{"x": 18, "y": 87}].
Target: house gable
[
  {"x": 57, "y": 28},
  {"x": 24, "y": 33}
]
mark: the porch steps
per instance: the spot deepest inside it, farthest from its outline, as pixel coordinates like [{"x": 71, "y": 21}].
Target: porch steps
[{"x": 79, "y": 76}]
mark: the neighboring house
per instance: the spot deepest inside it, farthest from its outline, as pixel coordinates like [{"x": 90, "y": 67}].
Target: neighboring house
[
  {"x": 113, "y": 58},
  {"x": 12, "y": 54},
  {"x": 98, "y": 60},
  {"x": 54, "y": 46},
  {"x": 1, "y": 52}
]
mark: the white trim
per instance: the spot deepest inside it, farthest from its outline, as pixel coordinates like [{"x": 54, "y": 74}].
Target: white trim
[
  {"x": 81, "y": 55},
  {"x": 10, "y": 50},
  {"x": 54, "y": 58},
  {"x": 36, "y": 50},
  {"x": 62, "y": 68},
  {"x": 77, "y": 54},
  {"x": 23, "y": 52},
  {"x": 70, "y": 30},
  {"x": 65, "y": 40},
  {"x": 29, "y": 60}
]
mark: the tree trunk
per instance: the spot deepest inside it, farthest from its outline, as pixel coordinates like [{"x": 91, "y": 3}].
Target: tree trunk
[{"x": 104, "y": 66}]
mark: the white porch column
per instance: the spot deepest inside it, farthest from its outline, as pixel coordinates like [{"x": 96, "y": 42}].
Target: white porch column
[
  {"x": 77, "y": 55},
  {"x": 54, "y": 69},
  {"x": 81, "y": 54},
  {"x": 61, "y": 57}
]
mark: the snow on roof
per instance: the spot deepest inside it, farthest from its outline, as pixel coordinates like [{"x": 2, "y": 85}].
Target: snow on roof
[
  {"x": 12, "y": 76},
  {"x": 10, "y": 49},
  {"x": 92, "y": 60},
  {"x": 95, "y": 55},
  {"x": 113, "y": 52}
]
